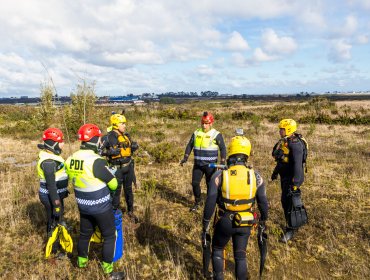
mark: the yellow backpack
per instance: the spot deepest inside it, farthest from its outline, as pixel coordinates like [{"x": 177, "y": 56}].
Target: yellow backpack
[{"x": 239, "y": 187}]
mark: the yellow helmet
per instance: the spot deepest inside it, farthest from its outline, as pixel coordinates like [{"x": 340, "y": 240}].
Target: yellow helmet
[
  {"x": 239, "y": 145},
  {"x": 289, "y": 125},
  {"x": 116, "y": 119}
]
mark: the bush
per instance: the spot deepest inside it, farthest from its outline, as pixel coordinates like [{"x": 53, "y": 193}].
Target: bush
[
  {"x": 242, "y": 115},
  {"x": 165, "y": 152}
]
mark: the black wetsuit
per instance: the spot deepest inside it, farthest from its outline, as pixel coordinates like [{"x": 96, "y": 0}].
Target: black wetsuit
[
  {"x": 225, "y": 229},
  {"x": 125, "y": 173},
  {"x": 201, "y": 167},
  {"x": 291, "y": 172},
  {"x": 104, "y": 220},
  {"x": 49, "y": 167}
]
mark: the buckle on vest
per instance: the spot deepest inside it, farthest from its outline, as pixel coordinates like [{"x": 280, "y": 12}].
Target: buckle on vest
[{"x": 235, "y": 201}]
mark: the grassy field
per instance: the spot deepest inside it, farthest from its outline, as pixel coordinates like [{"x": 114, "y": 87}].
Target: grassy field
[{"x": 166, "y": 243}]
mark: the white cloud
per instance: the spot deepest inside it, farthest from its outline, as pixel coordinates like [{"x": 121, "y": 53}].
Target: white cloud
[
  {"x": 260, "y": 56},
  {"x": 350, "y": 25},
  {"x": 205, "y": 70},
  {"x": 144, "y": 44},
  {"x": 131, "y": 57},
  {"x": 362, "y": 39},
  {"x": 275, "y": 45},
  {"x": 340, "y": 51},
  {"x": 236, "y": 42},
  {"x": 362, "y": 3}
]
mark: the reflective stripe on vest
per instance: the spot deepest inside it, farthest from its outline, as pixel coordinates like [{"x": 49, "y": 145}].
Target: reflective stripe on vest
[
  {"x": 59, "y": 191},
  {"x": 60, "y": 175},
  {"x": 239, "y": 188},
  {"x": 205, "y": 147}
]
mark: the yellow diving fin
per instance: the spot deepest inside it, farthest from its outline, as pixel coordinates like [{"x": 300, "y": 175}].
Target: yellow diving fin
[
  {"x": 96, "y": 237},
  {"x": 51, "y": 240},
  {"x": 65, "y": 239}
]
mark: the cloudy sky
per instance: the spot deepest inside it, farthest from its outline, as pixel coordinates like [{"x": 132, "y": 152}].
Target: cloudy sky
[{"x": 137, "y": 46}]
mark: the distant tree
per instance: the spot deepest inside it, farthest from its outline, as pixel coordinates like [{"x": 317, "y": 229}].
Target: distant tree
[
  {"x": 83, "y": 103},
  {"x": 46, "y": 110}
]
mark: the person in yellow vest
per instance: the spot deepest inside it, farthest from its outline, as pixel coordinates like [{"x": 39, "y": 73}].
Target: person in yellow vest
[
  {"x": 118, "y": 148},
  {"x": 93, "y": 185},
  {"x": 235, "y": 191},
  {"x": 290, "y": 154},
  {"x": 53, "y": 177},
  {"x": 206, "y": 141}
]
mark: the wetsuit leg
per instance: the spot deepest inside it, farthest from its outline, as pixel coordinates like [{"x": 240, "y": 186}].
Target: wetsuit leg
[
  {"x": 87, "y": 226},
  {"x": 105, "y": 222},
  {"x": 117, "y": 195},
  {"x": 240, "y": 242},
  {"x": 222, "y": 234},
  {"x": 127, "y": 184},
  {"x": 285, "y": 199},
  {"x": 195, "y": 182},
  {"x": 208, "y": 171},
  {"x": 44, "y": 198}
]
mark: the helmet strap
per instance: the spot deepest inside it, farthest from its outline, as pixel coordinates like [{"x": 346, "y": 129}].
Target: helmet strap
[{"x": 53, "y": 148}]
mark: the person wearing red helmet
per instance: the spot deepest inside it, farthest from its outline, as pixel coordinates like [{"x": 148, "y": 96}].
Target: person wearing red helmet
[
  {"x": 53, "y": 178},
  {"x": 206, "y": 141},
  {"x": 93, "y": 186}
]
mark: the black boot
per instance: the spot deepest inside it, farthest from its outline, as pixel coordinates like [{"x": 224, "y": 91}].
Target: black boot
[
  {"x": 195, "y": 207},
  {"x": 287, "y": 236}
]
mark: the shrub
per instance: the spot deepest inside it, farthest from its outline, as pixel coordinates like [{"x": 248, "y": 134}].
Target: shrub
[{"x": 165, "y": 152}]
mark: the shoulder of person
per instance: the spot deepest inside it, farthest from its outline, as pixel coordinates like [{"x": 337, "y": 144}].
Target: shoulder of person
[
  {"x": 259, "y": 179},
  {"x": 294, "y": 139}
]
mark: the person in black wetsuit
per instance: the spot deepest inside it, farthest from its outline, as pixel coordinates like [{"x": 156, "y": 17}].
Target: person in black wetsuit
[
  {"x": 53, "y": 178},
  {"x": 290, "y": 154},
  {"x": 94, "y": 184},
  {"x": 235, "y": 191},
  {"x": 118, "y": 148}
]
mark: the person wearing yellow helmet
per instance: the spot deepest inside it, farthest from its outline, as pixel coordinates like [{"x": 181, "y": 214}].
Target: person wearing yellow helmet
[
  {"x": 206, "y": 141},
  {"x": 290, "y": 154},
  {"x": 235, "y": 190},
  {"x": 118, "y": 147}
]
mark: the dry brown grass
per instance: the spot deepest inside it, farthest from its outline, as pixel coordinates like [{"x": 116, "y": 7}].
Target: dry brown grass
[{"x": 166, "y": 244}]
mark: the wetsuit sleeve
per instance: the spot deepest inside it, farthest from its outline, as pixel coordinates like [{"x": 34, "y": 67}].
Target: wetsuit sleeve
[
  {"x": 101, "y": 171},
  {"x": 211, "y": 200},
  {"x": 296, "y": 148},
  {"x": 50, "y": 167},
  {"x": 221, "y": 144},
  {"x": 261, "y": 197},
  {"x": 189, "y": 146},
  {"x": 134, "y": 145}
]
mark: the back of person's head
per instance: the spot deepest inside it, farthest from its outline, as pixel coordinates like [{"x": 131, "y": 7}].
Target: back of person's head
[
  {"x": 52, "y": 137},
  {"x": 239, "y": 145},
  {"x": 89, "y": 135}
]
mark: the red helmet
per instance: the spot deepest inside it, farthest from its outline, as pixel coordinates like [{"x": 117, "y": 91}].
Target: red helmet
[
  {"x": 207, "y": 118},
  {"x": 88, "y": 131},
  {"x": 54, "y": 134}
]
